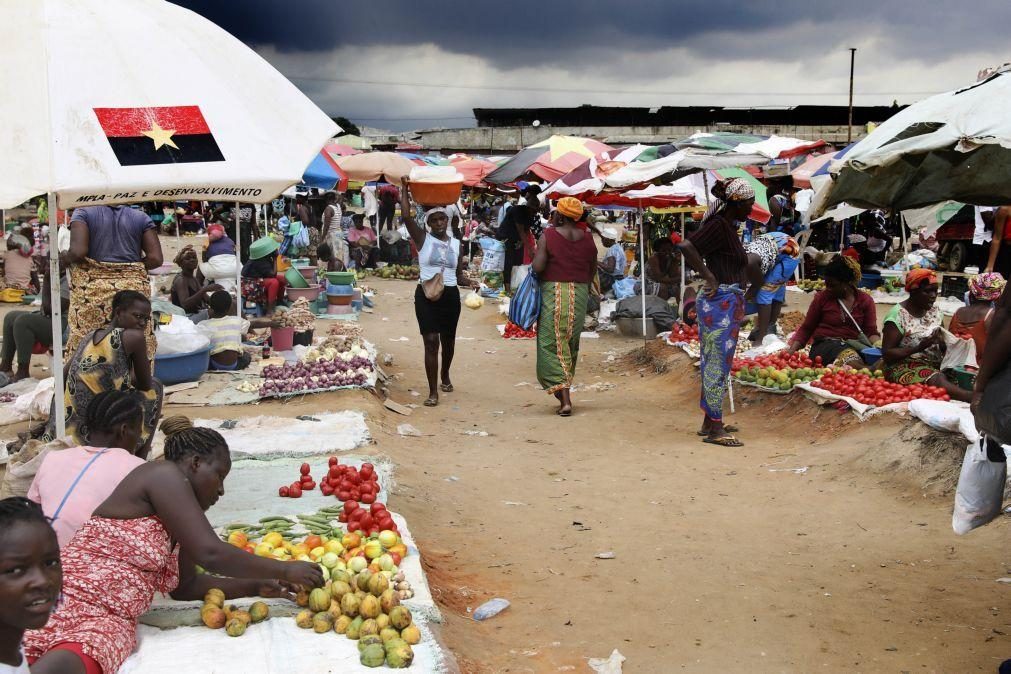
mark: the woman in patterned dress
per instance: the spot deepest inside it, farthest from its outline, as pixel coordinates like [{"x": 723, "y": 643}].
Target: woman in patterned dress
[
  {"x": 114, "y": 357},
  {"x": 911, "y": 343},
  {"x": 148, "y": 537}
]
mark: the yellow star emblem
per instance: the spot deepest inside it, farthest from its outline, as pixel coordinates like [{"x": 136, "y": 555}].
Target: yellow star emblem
[
  {"x": 559, "y": 146},
  {"x": 160, "y": 136}
]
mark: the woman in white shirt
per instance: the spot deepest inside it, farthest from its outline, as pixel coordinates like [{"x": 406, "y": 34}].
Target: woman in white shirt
[{"x": 437, "y": 297}]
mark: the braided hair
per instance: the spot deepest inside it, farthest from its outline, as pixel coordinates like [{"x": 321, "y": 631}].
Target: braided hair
[
  {"x": 108, "y": 409},
  {"x": 183, "y": 439},
  {"x": 844, "y": 269},
  {"x": 125, "y": 298},
  {"x": 19, "y": 509}
]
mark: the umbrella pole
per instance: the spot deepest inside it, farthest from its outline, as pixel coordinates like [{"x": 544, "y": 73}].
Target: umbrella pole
[
  {"x": 59, "y": 409},
  {"x": 238, "y": 265},
  {"x": 642, "y": 272},
  {"x": 681, "y": 300},
  {"x": 905, "y": 244}
]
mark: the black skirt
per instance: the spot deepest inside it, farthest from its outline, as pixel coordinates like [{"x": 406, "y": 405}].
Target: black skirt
[{"x": 441, "y": 316}]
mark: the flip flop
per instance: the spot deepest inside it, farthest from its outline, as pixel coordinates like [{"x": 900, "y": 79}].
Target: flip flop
[
  {"x": 431, "y": 402},
  {"x": 724, "y": 441},
  {"x": 729, "y": 428},
  {"x": 446, "y": 388},
  {"x": 565, "y": 413}
]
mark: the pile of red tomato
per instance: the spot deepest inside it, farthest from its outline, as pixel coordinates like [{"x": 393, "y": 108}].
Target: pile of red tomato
[
  {"x": 371, "y": 521},
  {"x": 681, "y": 332},
  {"x": 346, "y": 482},
  {"x": 778, "y": 361},
  {"x": 869, "y": 390},
  {"x": 513, "y": 331}
]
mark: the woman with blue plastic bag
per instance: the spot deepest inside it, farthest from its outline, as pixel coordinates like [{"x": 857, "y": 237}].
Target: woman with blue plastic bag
[
  {"x": 716, "y": 253},
  {"x": 565, "y": 264}
]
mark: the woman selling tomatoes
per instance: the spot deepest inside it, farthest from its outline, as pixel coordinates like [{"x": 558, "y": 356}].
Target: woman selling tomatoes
[{"x": 912, "y": 345}]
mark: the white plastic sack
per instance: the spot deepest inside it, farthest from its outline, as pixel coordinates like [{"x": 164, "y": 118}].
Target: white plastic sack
[
  {"x": 435, "y": 174},
  {"x": 980, "y": 489},
  {"x": 519, "y": 272},
  {"x": 958, "y": 352},
  {"x": 953, "y": 416},
  {"x": 219, "y": 267},
  {"x": 770, "y": 344},
  {"x": 180, "y": 335},
  {"x": 494, "y": 254},
  {"x": 37, "y": 403}
]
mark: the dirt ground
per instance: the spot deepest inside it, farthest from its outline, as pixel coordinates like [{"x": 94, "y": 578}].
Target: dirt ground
[{"x": 725, "y": 560}]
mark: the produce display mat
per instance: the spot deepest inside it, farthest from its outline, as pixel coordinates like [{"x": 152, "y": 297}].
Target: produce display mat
[
  {"x": 218, "y": 389},
  {"x": 168, "y": 613},
  {"x": 369, "y": 384},
  {"x": 276, "y": 646},
  {"x": 269, "y": 437},
  {"x": 862, "y": 411}
]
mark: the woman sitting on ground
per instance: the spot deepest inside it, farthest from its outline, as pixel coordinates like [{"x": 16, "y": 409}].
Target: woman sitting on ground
[
  {"x": 663, "y": 276},
  {"x": 439, "y": 259},
  {"x": 226, "y": 331},
  {"x": 218, "y": 243},
  {"x": 112, "y": 358},
  {"x": 71, "y": 483},
  {"x": 261, "y": 270},
  {"x": 146, "y": 537},
  {"x": 912, "y": 345},
  {"x": 32, "y": 577},
  {"x": 362, "y": 241},
  {"x": 19, "y": 267},
  {"x": 188, "y": 292},
  {"x": 842, "y": 320},
  {"x": 973, "y": 322}
]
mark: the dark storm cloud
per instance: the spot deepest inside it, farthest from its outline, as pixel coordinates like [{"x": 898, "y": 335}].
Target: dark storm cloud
[{"x": 506, "y": 32}]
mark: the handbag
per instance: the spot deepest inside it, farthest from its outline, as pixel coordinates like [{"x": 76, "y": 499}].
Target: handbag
[
  {"x": 433, "y": 288},
  {"x": 993, "y": 416},
  {"x": 525, "y": 307}
]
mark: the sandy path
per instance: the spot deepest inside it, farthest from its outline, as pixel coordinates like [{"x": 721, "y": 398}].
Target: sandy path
[{"x": 721, "y": 565}]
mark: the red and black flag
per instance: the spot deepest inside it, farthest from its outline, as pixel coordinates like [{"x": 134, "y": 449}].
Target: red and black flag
[{"x": 168, "y": 135}]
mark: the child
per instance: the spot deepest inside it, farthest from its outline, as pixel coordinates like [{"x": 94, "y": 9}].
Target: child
[
  {"x": 30, "y": 577},
  {"x": 326, "y": 258},
  {"x": 225, "y": 330}
]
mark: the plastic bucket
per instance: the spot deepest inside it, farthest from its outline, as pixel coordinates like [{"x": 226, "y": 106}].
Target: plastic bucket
[
  {"x": 282, "y": 339},
  {"x": 871, "y": 355},
  {"x": 302, "y": 338}
]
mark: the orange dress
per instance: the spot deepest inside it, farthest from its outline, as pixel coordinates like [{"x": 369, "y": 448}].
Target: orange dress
[{"x": 111, "y": 570}]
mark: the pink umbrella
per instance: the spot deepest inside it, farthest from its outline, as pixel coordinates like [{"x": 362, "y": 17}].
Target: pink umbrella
[
  {"x": 338, "y": 150},
  {"x": 802, "y": 174},
  {"x": 473, "y": 170},
  {"x": 370, "y": 166}
]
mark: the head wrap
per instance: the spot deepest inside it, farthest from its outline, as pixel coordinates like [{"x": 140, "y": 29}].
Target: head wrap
[
  {"x": 570, "y": 207},
  {"x": 22, "y": 243},
  {"x": 433, "y": 211},
  {"x": 987, "y": 287},
  {"x": 215, "y": 232},
  {"x": 917, "y": 278},
  {"x": 739, "y": 189},
  {"x": 610, "y": 233}
]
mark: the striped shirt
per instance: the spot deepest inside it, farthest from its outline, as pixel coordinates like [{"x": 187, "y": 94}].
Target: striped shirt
[
  {"x": 720, "y": 247},
  {"x": 225, "y": 333}
]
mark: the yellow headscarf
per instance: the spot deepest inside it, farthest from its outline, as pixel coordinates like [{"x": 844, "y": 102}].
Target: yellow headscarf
[{"x": 570, "y": 207}]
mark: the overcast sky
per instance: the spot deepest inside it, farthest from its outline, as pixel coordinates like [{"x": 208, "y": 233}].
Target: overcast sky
[{"x": 409, "y": 64}]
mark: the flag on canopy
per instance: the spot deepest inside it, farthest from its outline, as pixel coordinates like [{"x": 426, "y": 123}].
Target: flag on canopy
[{"x": 549, "y": 159}]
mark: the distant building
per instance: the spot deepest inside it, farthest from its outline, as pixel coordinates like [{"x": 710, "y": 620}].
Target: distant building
[{"x": 509, "y": 129}]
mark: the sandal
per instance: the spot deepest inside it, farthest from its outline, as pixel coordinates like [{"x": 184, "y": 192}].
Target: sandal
[
  {"x": 565, "y": 413},
  {"x": 729, "y": 428},
  {"x": 724, "y": 441},
  {"x": 446, "y": 388},
  {"x": 432, "y": 401}
]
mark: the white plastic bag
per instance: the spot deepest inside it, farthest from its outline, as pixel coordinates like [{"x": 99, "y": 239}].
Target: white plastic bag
[
  {"x": 770, "y": 344},
  {"x": 180, "y": 335},
  {"x": 980, "y": 491},
  {"x": 219, "y": 267},
  {"x": 958, "y": 352},
  {"x": 37, "y": 403},
  {"x": 519, "y": 272},
  {"x": 435, "y": 174}
]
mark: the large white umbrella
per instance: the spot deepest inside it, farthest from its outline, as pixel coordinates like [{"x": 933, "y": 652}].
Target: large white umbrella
[
  {"x": 119, "y": 101},
  {"x": 954, "y": 146}
]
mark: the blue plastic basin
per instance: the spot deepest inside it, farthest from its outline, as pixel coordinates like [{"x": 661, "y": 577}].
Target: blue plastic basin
[
  {"x": 871, "y": 355},
  {"x": 177, "y": 368}
]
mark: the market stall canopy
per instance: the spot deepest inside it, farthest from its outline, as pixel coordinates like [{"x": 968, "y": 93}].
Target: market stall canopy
[
  {"x": 954, "y": 146},
  {"x": 323, "y": 173},
  {"x": 473, "y": 169},
  {"x": 760, "y": 211},
  {"x": 102, "y": 115},
  {"x": 745, "y": 144},
  {"x": 370, "y": 166},
  {"x": 549, "y": 159},
  {"x": 339, "y": 150},
  {"x": 802, "y": 174}
]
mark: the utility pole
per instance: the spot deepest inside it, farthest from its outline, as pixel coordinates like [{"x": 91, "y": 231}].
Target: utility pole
[{"x": 849, "y": 130}]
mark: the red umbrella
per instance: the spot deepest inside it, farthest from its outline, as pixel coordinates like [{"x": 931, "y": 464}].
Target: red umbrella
[
  {"x": 473, "y": 170},
  {"x": 338, "y": 150}
]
